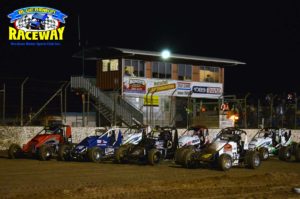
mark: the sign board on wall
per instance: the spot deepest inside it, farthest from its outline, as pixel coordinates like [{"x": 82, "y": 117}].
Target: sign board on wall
[
  {"x": 151, "y": 100},
  {"x": 134, "y": 85},
  {"x": 163, "y": 87},
  {"x": 140, "y": 86}
]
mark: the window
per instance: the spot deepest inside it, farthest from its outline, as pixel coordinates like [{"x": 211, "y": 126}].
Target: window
[
  {"x": 209, "y": 74},
  {"x": 155, "y": 69},
  {"x": 184, "y": 72},
  {"x": 110, "y": 65},
  {"x": 161, "y": 70},
  {"x": 134, "y": 68},
  {"x": 141, "y": 69},
  {"x": 105, "y": 63},
  {"x": 168, "y": 70},
  {"x": 114, "y": 65}
]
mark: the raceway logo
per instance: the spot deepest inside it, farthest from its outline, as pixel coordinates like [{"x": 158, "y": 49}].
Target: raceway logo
[{"x": 36, "y": 24}]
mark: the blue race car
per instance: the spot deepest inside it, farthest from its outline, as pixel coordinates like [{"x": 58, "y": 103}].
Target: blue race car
[
  {"x": 94, "y": 148},
  {"x": 37, "y": 22}
]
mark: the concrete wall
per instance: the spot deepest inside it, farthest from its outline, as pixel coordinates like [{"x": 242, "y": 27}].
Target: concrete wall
[{"x": 22, "y": 135}]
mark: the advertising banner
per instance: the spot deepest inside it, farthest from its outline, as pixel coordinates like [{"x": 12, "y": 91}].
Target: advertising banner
[{"x": 141, "y": 86}]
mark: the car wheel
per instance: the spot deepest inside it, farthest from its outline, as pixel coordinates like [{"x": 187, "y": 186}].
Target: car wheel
[
  {"x": 225, "y": 162},
  {"x": 253, "y": 159},
  {"x": 263, "y": 153},
  {"x": 297, "y": 153},
  {"x": 154, "y": 157},
  {"x": 179, "y": 156},
  {"x": 44, "y": 153},
  {"x": 285, "y": 153},
  {"x": 64, "y": 152},
  {"x": 94, "y": 154},
  {"x": 189, "y": 159},
  {"x": 121, "y": 154},
  {"x": 14, "y": 151}
]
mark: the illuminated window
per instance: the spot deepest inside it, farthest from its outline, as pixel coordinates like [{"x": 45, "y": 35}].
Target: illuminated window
[
  {"x": 110, "y": 65},
  {"x": 134, "y": 68},
  {"x": 114, "y": 65},
  {"x": 105, "y": 63},
  {"x": 209, "y": 74}
]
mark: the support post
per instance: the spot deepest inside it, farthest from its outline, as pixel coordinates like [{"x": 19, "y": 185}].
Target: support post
[{"x": 3, "y": 106}]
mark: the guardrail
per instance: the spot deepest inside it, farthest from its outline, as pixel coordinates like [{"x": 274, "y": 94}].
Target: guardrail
[{"x": 121, "y": 108}]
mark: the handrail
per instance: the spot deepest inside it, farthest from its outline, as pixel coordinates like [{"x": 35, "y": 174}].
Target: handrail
[{"x": 123, "y": 109}]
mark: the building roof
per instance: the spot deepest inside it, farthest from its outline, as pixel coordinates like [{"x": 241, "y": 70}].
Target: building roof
[{"x": 97, "y": 53}]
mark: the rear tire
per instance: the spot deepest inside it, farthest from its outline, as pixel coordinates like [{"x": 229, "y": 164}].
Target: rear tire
[
  {"x": 179, "y": 156},
  {"x": 225, "y": 162},
  {"x": 297, "y": 153},
  {"x": 252, "y": 159},
  {"x": 64, "y": 152},
  {"x": 121, "y": 154},
  {"x": 294, "y": 147},
  {"x": 263, "y": 153},
  {"x": 94, "y": 154},
  {"x": 14, "y": 151},
  {"x": 285, "y": 153},
  {"x": 45, "y": 153},
  {"x": 153, "y": 157},
  {"x": 189, "y": 161}
]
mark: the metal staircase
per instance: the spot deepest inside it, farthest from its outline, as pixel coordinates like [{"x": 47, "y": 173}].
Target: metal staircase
[{"x": 112, "y": 109}]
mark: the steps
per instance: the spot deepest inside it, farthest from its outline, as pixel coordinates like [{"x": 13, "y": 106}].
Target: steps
[{"x": 114, "y": 109}]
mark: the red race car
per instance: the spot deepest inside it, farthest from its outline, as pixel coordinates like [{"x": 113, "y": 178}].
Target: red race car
[{"x": 44, "y": 145}]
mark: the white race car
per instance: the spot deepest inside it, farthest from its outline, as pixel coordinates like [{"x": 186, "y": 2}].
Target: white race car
[{"x": 269, "y": 141}]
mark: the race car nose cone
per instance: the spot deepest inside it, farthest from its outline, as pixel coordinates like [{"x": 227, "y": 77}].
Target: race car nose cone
[{"x": 296, "y": 190}]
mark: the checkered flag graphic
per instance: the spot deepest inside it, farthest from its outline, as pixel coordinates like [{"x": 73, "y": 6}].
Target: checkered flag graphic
[
  {"x": 49, "y": 24},
  {"x": 23, "y": 22}
]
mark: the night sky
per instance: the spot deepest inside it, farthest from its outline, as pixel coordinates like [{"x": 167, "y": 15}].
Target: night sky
[{"x": 264, "y": 35}]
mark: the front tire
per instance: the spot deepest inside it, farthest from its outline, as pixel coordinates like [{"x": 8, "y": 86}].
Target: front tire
[
  {"x": 153, "y": 157},
  {"x": 285, "y": 153},
  {"x": 121, "y": 154},
  {"x": 252, "y": 160},
  {"x": 44, "y": 153},
  {"x": 225, "y": 162},
  {"x": 64, "y": 152},
  {"x": 263, "y": 153},
  {"x": 94, "y": 154},
  {"x": 14, "y": 151},
  {"x": 179, "y": 155},
  {"x": 189, "y": 160}
]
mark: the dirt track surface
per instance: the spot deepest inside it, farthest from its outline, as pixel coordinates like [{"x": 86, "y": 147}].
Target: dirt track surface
[{"x": 28, "y": 178}]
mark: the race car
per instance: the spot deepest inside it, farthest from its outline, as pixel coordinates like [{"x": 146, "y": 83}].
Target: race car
[
  {"x": 269, "y": 141},
  {"x": 229, "y": 148}
]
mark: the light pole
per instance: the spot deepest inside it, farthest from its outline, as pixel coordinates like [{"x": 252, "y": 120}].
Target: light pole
[
  {"x": 22, "y": 93},
  {"x": 271, "y": 107},
  {"x": 3, "y": 111},
  {"x": 296, "y": 107},
  {"x": 83, "y": 109}
]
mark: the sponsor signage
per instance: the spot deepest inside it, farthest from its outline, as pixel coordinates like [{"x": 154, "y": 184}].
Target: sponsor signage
[
  {"x": 142, "y": 86},
  {"x": 183, "y": 89},
  {"x": 134, "y": 85},
  {"x": 151, "y": 100},
  {"x": 207, "y": 90},
  {"x": 162, "y": 88}
]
